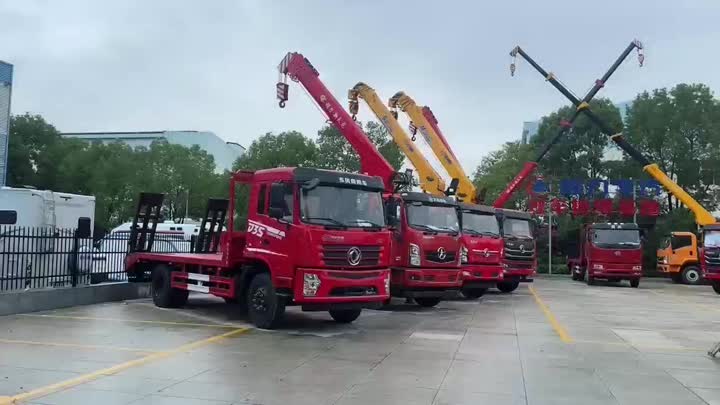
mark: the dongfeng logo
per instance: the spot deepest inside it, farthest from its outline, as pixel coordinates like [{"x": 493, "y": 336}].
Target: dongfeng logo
[
  {"x": 442, "y": 254},
  {"x": 354, "y": 255},
  {"x": 522, "y": 248},
  {"x": 617, "y": 253},
  {"x": 485, "y": 252}
]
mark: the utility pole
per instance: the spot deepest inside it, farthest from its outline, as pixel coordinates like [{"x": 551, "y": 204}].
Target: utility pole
[{"x": 549, "y": 216}]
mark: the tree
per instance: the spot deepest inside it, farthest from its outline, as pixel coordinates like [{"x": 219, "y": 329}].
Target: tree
[
  {"x": 579, "y": 154},
  {"x": 287, "y": 149},
  {"x": 680, "y": 131},
  {"x": 31, "y": 138},
  {"x": 336, "y": 153},
  {"x": 498, "y": 168}
]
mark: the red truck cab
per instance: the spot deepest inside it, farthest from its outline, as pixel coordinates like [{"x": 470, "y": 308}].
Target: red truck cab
[
  {"x": 425, "y": 247},
  {"x": 519, "y": 259},
  {"x": 482, "y": 249},
  {"x": 610, "y": 251},
  {"x": 709, "y": 255},
  {"x": 313, "y": 238}
]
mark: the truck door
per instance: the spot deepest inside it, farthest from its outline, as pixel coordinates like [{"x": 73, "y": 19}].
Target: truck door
[{"x": 270, "y": 230}]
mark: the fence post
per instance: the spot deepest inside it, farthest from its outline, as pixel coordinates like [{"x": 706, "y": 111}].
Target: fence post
[{"x": 74, "y": 259}]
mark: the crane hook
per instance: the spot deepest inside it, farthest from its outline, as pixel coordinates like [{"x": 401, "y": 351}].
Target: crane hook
[
  {"x": 641, "y": 57},
  {"x": 354, "y": 117},
  {"x": 512, "y": 69},
  {"x": 282, "y": 104}
]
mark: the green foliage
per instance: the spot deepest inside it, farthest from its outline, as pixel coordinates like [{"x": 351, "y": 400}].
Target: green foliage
[
  {"x": 31, "y": 151},
  {"x": 335, "y": 152},
  {"x": 498, "y": 168},
  {"x": 287, "y": 149}
]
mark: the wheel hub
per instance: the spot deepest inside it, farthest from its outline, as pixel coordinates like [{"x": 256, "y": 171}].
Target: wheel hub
[
  {"x": 692, "y": 275},
  {"x": 259, "y": 302}
]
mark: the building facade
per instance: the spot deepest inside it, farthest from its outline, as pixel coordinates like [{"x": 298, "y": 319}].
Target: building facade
[
  {"x": 224, "y": 153},
  {"x": 6, "y": 75}
]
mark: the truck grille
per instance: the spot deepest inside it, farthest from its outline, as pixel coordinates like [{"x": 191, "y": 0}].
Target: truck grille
[
  {"x": 712, "y": 260},
  {"x": 517, "y": 254},
  {"x": 340, "y": 255},
  {"x": 434, "y": 257}
]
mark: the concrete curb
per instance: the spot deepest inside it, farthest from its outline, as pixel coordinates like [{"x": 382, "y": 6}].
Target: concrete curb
[{"x": 18, "y": 302}]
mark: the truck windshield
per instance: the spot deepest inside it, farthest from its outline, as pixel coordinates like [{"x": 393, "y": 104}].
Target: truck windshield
[
  {"x": 478, "y": 223},
  {"x": 517, "y": 227},
  {"x": 436, "y": 218},
  {"x": 342, "y": 206},
  {"x": 712, "y": 239},
  {"x": 629, "y": 238}
]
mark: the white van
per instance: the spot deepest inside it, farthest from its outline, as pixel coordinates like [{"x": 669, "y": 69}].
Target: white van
[{"x": 36, "y": 231}]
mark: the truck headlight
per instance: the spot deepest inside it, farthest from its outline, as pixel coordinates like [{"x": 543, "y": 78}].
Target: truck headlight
[
  {"x": 665, "y": 260},
  {"x": 414, "y": 255},
  {"x": 463, "y": 254},
  {"x": 311, "y": 284},
  {"x": 637, "y": 268},
  {"x": 387, "y": 283},
  {"x": 598, "y": 267}
]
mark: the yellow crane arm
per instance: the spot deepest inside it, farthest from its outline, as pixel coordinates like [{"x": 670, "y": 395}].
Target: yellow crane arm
[
  {"x": 430, "y": 181},
  {"x": 466, "y": 189},
  {"x": 702, "y": 216}
]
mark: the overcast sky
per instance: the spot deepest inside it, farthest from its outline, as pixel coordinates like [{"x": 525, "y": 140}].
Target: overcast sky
[{"x": 211, "y": 65}]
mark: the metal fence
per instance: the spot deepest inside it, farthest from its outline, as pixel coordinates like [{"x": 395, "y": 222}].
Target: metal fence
[{"x": 50, "y": 257}]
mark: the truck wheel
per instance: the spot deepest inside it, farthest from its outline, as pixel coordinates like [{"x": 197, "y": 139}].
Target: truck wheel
[
  {"x": 345, "y": 315},
  {"x": 474, "y": 293},
  {"x": 508, "y": 286},
  {"x": 635, "y": 283},
  {"x": 427, "y": 302},
  {"x": 574, "y": 275},
  {"x": 691, "y": 275},
  {"x": 164, "y": 296},
  {"x": 265, "y": 307},
  {"x": 716, "y": 287}
]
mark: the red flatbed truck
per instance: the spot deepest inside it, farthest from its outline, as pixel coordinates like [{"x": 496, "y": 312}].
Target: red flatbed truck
[
  {"x": 426, "y": 238},
  {"x": 610, "y": 251},
  {"x": 314, "y": 238}
]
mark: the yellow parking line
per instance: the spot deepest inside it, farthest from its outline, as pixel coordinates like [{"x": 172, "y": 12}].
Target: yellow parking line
[
  {"x": 91, "y": 318},
  {"x": 49, "y": 389},
  {"x": 559, "y": 329},
  {"x": 74, "y": 345}
]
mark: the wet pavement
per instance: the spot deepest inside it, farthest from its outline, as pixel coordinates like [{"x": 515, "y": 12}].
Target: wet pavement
[{"x": 558, "y": 342}]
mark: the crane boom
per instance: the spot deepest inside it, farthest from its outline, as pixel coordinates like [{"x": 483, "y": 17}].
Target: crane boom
[
  {"x": 702, "y": 216},
  {"x": 529, "y": 167},
  {"x": 430, "y": 181},
  {"x": 433, "y": 121},
  {"x": 466, "y": 189},
  {"x": 301, "y": 70}
]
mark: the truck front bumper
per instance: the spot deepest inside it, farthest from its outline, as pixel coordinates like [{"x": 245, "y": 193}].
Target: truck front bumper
[
  {"x": 322, "y": 286},
  {"x": 481, "y": 275},
  {"x": 520, "y": 271},
  {"x": 426, "y": 282},
  {"x": 623, "y": 274}
]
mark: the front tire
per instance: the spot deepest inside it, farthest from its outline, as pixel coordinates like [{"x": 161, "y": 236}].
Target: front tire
[
  {"x": 345, "y": 315},
  {"x": 427, "y": 302},
  {"x": 164, "y": 296},
  {"x": 474, "y": 293},
  {"x": 716, "y": 287},
  {"x": 265, "y": 307},
  {"x": 508, "y": 286},
  {"x": 589, "y": 280},
  {"x": 635, "y": 283},
  {"x": 691, "y": 275}
]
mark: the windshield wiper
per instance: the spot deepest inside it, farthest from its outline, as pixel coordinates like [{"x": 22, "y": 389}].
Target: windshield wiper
[
  {"x": 472, "y": 232},
  {"x": 425, "y": 228},
  {"x": 331, "y": 220},
  {"x": 448, "y": 229},
  {"x": 372, "y": 224}
]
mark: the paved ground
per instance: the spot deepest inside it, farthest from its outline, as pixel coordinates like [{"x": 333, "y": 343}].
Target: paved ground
[{"x": 560, "y": 342}]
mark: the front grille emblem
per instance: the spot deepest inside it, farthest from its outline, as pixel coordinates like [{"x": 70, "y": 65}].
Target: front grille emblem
[
  {"x": 354, "y": 255},
  {"x": 442, "y": 254},
  {"x": 522, "y": 248}
]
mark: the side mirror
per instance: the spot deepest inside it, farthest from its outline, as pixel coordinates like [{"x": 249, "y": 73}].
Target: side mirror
[
  {"x": 84, "y": 230},
  {"x": 275, "y": 212}
]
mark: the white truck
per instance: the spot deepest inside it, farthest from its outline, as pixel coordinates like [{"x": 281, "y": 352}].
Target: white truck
[{"x": 36, "y": 231}]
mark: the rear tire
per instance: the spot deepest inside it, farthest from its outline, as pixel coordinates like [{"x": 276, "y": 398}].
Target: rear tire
[
  {"x": 508, "y": 286},
  {"x": 716, "y": 287},
  {"x": 427, "y": 302},
  {"x": 265, "y": 307},
  {"x": 474, "y": 293},
  {"x": 691, "y": 275},
  {"x": 635, "y": 283},
  {"x": 345, "y": 315},
  {"x": 164, "y": 296}
]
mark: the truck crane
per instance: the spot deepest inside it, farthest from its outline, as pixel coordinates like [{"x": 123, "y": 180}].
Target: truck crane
[
  {"x": 425, "y": 249},
  {"x": 500, "y": 254},
  {"x": 430, "y": 180},
  {"x": 710, "y": 229},
  {"x": 565, "y": 125}
]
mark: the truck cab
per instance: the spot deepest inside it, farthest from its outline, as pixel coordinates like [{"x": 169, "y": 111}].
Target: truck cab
[
  {"x": 311, "y": 238},
  {"x": 678, "y": 258},
  {"x": 610, "y": 251},
  {"x": 519, "y": 260},
  {"x": 481, "y": 249},
  {"x": 710, "y": 255},
  {"x": 425, "y": 247}
]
